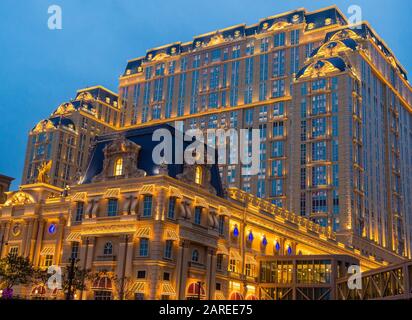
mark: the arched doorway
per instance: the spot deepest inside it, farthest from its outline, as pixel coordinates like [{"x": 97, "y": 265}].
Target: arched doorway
[
  {"x": 236, "y": 296},
  {"x": 102, "y": 288},
  {"x": 195, "y": 291}
]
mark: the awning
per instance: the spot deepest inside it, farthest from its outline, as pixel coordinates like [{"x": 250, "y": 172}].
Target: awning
[
  {"x": 147, "y": 189},
  {"x": 171, "y": 235},
  {"x": 46, "y": 251},
  {"x": 143, "y": 232},
  {"x": 79, "y": 196},
  {"x": 138, "y": 287},
  {"x": 74, "y": 236},
  {"x": 222, "y": 249},
  {"x": 235, "y": 255},
  {"x": 112, "y": 193},
  {"x": 168, "y": 290},
  {"x": 219, "y": 295}
]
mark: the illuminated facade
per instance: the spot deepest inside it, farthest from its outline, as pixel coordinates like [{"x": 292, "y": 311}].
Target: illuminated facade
[
  {"x": 60, "y": 145},
  {"x": 333, "y": 106},
  {"x": 163, "y": 229},
  {"x": 331, "y": 100}
]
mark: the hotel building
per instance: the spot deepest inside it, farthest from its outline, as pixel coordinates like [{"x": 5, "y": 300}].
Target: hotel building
[
  {"x": 331, "y": 100},
  {"x": 333, "y": 106},
  {"x": 172, "y": 232},
  {"x": 61, "y": 143}
]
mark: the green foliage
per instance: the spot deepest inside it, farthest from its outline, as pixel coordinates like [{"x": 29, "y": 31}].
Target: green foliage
[
  {"x": 79, "y": 278},
  {"x": 15, "y": 270}
]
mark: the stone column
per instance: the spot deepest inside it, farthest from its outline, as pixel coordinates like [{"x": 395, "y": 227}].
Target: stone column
[
  {"x": 24, "y": 238},
  {"x": 26, "y": 243},
  {"x": 122, "y": 260},
  {"x": 160, "y": 204},
  {"x": 32, "y": 240},
  {"x": 182, "y": 270},
  {"x": 129, "y": 258},
  {"x": 210, "y": 273},
  {"x": 90, "y": 252},
  {"x": 39, "y": 241},
  {"x": 59, "y": 243},
  {"x": 6, "y": 231}
]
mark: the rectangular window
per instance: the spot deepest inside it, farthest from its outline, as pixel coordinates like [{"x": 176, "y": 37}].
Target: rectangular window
[
  {"x": 233, "y": 265},
  {"x": 319, "y": 176},
  {"x": 221, "y": 225},
  {"x": 279, "y": 63},
  {"x": 168, "y": 249},
  {"x": 198, "y": 215},
  {"x": 319, "y": 202},
  {"x": 318, "y": 127},
  {"x": 303, "y": 178},
  {"x": 112, "y": 208},
  {"x": 48, "y": 260},
  {"x": 219, "y": 261},
  {"x": 303, "y": 154},
  {"x": 279, "y": 39},
  {"x": 75, "y": 250},
  {"x": 171, "y": 208},
  {"x": 79, "y": 211},
  {"x": 278, "y": 109},
  {"x": 141, "y": 274},
  {"x": 294, "y": 37},
  {"x": 277, "y": 149},
  {"x": 278, "y": 89},
  {"x": 144, "y": 247},
  {"x": 278, "y": 129},
  {"x": 319, "y": 151},
  {"x": 147, "y": 206},
  {"x": 335, "y": 150},
  {"x": 277, "y": 187},
  {"x": 319, "y": 104},
  {"x": 277, "y": 168}
]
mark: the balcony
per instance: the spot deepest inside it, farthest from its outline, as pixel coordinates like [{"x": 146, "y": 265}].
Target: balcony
[
  {"x": 106, "y": 258},
  {"x": 197, "y": 265}
]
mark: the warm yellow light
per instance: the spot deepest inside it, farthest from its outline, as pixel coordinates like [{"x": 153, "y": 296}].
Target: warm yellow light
[
  {"x": 118, "y": 167},
  {"x": 198, "y": 175}
]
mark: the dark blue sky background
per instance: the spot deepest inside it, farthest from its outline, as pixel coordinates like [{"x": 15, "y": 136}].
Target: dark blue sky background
[{"x": 40, "y": 68}]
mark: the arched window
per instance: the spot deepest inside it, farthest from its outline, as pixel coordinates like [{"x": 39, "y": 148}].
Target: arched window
[
  {"x": 195, "y": 256},
  {"x": 108, "y": 248},
  {"x": 118, "y": 167},
  {"x": 198, "y": 175}
]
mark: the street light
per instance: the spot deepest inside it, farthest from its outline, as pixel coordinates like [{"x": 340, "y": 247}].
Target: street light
[
  {"x": 71, "y": 278},
  {"x": 199, "y": 287}
]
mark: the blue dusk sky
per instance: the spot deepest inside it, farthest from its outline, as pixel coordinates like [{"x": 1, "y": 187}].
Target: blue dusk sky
[{"x": 40, "y": 68}]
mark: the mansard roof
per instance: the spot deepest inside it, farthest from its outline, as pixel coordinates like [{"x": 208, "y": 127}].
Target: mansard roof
[{"x": 143, "y": 138}]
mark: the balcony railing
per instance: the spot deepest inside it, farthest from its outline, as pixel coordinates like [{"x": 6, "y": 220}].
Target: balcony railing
[{"x": 106, "y": 258}]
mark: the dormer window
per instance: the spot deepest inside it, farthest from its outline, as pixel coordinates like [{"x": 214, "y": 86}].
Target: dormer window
[
  {"x": 198, "y": 175},
  {"x": 118, "y": 167}
]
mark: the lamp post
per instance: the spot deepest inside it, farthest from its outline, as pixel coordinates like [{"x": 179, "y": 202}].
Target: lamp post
[
  {"x": 199, "y": 287},
  {"x": 71, "y": 277}
]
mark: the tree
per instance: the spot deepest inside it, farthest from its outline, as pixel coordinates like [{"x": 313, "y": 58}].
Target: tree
[
  {"x": 14, "y": 270},
  {"x": 75, "y": 278},
  {"x": 123, "y": 288}
]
